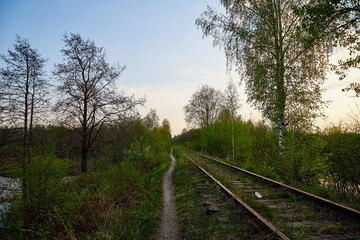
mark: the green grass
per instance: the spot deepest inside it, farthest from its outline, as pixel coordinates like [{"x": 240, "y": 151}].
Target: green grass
[
  {"x": 194, "y": 222},
  {"x": 142, "y": 219},
  {"x": 348, "y": 199},
  {"x": 118, "y": 202}
]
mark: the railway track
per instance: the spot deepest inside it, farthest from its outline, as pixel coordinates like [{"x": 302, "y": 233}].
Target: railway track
[{"x": 281, "y": 211}]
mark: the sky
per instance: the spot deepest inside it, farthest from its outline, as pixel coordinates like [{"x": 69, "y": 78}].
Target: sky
[{"x": 166, "y": 57}]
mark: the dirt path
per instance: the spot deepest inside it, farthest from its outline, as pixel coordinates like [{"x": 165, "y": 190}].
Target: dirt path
[{"x": 169, "y": 227}]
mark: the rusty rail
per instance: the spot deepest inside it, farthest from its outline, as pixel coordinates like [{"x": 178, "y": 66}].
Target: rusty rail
[
  {"x": 271, "y": 231},
  {"x": 350, "y": 212}
]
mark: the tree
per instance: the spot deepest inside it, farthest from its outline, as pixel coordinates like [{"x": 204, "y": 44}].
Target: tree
[
  {"x": 89, "y": 98},
  {"x": 23, "y": 91},
  {"x": 337, "y": 22},
  {"x": 262, "y": 39},
  {"x": 231, "y": 100},
  {"x": 166, "y": 133},
  {"x": 152, "y": 120},
  {"x": 203, "y": 107}
]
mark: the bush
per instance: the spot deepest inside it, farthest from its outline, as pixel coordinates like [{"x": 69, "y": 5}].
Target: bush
[
  {"x": 41, "y": 188},
  {"x": 303, "y": 160},
  {"x": 343, "y": 149},
  {"x": 122, "y": 200}
]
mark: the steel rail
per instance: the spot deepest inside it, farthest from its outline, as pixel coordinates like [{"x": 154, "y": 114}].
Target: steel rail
[
  {"x": 350, "y": 212},
  {"x": 256, "y": 218}
]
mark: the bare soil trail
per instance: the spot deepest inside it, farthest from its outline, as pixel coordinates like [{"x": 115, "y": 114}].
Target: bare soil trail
[{"x": 169, "y": 225}]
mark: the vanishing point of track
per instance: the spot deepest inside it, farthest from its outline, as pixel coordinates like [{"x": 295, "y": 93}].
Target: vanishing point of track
[{"x": 279, "y": 210}]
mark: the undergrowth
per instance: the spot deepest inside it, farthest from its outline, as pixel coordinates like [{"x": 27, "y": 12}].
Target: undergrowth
[{"x": 118, "y": 202}]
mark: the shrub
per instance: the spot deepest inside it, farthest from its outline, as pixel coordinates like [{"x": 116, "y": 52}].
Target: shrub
[
  {"x": 303, "y": 160},
  {"x": 41, "y": 187},
  {"x": 343, "y": 165}
]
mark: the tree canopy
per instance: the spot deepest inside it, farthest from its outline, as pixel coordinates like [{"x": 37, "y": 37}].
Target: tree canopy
[
  {"x": 336, "y": 22},
  {"x": 263, "y": 41}
]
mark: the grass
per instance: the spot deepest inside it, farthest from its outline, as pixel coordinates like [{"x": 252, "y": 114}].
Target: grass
[
  {"x": 302, "y": 210},
  {"x": 194, "y": 220},
  {"x": 348, "y": 199},
  {"x": 118, "y": 202},
  {"x": 142, "y": 219},
  {"x": 260, "y": 207}
]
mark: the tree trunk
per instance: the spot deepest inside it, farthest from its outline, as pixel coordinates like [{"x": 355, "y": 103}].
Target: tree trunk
[
  {"x": 25, "y": 163},
  {"x": 232, "y": 138},
  {"x": 26, "y": 112},
  {"x": 279, "y": 73},
  {"x": 84, "y": 146},
  {"x": 31, "y": 122},
  {"x": 84, "y": 157},
  {"x": 281, "y": 133},
  {"x": 84, "y": 141}
]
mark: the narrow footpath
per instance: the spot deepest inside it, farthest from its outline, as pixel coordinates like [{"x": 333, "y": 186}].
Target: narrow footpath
[{"x": 169, "y": 225}]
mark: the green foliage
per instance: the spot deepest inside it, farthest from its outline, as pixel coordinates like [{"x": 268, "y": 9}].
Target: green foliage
[
  {"x": 344, "y": 168},
  {"x": 114, "y": 140},
  {"x": 110, "y": 200},
  {"x": 243, "y": 141},
  {"x": 141, "y": 220},
  {"x": 118, "y": 202},
  {"x": 269, "y": 172},
  {"x": 43, "y": 175},
  {"x": 146, "y": 151},
  {"x": 252, "y": 142},
  {"x": 57, "y": 138},
  {"x": 194, "y": 222},
  {"x": 328, "y": 159},
  {"x": 281, "y": 76},
  {"x": 337, "y": 23},
  {"x": 42, "y": 183},
  {"x": 303, "y": 159},
  {"x": 189, "y": 139}
]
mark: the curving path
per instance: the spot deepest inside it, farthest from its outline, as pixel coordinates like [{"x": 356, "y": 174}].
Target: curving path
[{"x": 169, "y": 226}]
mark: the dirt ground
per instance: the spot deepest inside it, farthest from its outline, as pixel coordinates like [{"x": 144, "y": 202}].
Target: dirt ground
[{"x": 169, "y": 225}]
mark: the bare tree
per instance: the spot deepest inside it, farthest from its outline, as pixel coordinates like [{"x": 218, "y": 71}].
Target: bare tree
[
  {"x": 89, "y": 98},
  {"x": 23, "y": 95},
  {"x": 23, "y": 90},
  {"x": 203, "y": 107}
]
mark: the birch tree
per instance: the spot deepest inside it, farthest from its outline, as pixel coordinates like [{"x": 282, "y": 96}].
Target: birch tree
[
  {"x": 282, "y": 78},
  {"x": 338, "y": 23},
  {"x": 231, "y": 102},
  {"x": 89, "y": 98}
]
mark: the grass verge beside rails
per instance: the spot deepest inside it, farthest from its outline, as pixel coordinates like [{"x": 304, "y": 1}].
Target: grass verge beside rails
[
  {"x": 142, "y": 219},
  {"x": 120, "y": 202},
  {"x": 203, "y": 211},
  {"x": 347, "y": 199}
]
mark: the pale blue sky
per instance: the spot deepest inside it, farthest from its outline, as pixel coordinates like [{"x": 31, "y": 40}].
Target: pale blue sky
[{"x": 164, "y": 52}]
